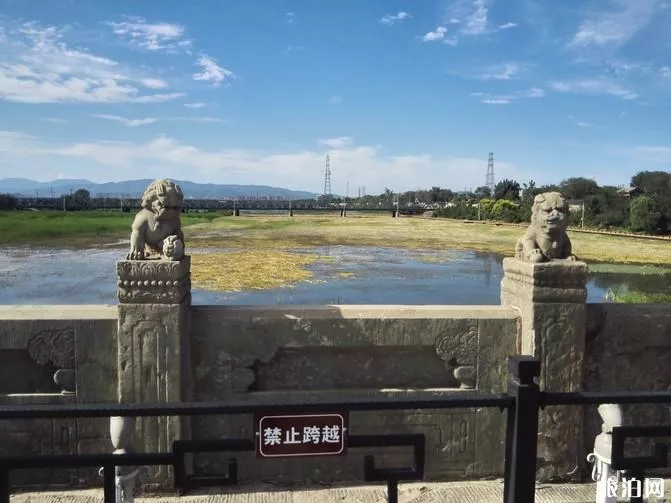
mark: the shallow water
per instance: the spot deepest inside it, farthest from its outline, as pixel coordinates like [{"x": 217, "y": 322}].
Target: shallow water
[{"x": 376, "y": 276}]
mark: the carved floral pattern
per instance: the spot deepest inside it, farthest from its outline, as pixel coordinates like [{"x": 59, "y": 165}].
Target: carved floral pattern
[
  {"x": 56, "y": 346},
  {"x": 461, "y": 346}
]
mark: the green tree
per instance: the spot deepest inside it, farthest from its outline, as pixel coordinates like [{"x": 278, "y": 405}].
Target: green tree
[
  {"x": 507, "y": 189},
  {"x": 644, "y": 215},
  {"x": 483, "y": 192},
  {"x": 81, "y": 199},
  {"x": 486, "y": 206},
  {"x": 505, "y": 210},
  {"x": 578, "y": 188},
  {"x": 657, "y": 186},
  {"x": 7, "y": 202}
]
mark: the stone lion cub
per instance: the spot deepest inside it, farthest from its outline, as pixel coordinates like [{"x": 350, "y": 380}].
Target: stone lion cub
[
  {"x": 156, "y": 231},
  {"x": 546, "y": 238}
]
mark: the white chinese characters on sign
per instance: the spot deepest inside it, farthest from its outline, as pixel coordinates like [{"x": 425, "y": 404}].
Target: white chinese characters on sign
[
  {"x": 310, "y": 435},
  {"x": 272, "y": 436},
  {"x": 635, "y": 488}
]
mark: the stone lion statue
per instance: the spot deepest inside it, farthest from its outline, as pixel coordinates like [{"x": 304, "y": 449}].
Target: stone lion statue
[
  {"x": 156, "y": 231},
  {"x": 546, "y": 238}
]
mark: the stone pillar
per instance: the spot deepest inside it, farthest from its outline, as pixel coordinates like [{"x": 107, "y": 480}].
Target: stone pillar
[
  {"x": 551, "y": 299},
  {"x": 153, "y": 349}
]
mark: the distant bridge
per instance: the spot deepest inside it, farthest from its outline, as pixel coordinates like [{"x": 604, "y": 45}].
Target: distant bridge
[{"x": 128, "y": 204}]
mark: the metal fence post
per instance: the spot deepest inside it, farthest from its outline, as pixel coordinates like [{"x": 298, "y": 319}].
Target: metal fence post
[{"x": 521, "y": 485}]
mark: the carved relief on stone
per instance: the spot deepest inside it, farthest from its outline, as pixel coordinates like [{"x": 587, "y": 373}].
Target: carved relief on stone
[
  {"x": 459, "y": 352},
  {"x": 461, "y": 347},
  {"x": 56, "y": 346},
  {"x": 546, "y": 239},
  {"x": 156, "y": 230},
  {"x": 146, "y": 282},
  {"x": 559, "y": 354}
]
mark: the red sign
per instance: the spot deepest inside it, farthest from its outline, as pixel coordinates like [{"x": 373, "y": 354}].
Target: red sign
[{"x": 301, "y": 435}]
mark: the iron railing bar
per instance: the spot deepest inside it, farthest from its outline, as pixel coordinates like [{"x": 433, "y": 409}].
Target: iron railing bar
[
  {"x": 30, "y": 461},
  {"x": 597, "y": 398},
  {"x": 246, "y": 407}
]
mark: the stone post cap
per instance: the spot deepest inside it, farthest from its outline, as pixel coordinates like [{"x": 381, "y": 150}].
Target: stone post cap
[
  {"x": 556, "y": 281},
  {"x": 557, "y": 272},
  {"x": 154, "y": 281}
]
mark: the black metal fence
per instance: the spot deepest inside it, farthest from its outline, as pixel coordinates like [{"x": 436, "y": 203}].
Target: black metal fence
[{"x": 522, "y": 404}]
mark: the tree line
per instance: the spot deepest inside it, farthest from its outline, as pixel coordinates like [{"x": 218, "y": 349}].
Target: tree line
[{"x": 644, "y": 207}]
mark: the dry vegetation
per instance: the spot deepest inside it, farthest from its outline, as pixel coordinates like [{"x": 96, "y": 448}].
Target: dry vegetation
[
  {"x": 282, "y": 233},
  {"x": 249, "y": 270},
  {"x": 263, "y": 248}
]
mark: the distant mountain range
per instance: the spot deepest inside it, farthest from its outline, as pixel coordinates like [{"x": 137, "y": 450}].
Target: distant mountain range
[{"x": 21, "y": 187}]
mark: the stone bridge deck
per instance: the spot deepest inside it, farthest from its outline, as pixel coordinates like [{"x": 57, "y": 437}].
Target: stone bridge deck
[{"x": 449, "y": 492}]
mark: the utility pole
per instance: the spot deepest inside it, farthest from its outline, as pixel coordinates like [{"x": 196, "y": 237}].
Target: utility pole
[{"x": 582, "y": 217}]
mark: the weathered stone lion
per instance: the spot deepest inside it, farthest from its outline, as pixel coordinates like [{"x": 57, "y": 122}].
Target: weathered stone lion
[
  {"x": 546, "y": 238},
  {"x": 157, "y": 232}
]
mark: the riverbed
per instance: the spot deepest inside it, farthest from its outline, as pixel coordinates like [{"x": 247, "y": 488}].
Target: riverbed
[{"x": 342, "y": 275}]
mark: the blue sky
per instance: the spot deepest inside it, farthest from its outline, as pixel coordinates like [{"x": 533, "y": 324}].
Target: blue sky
[{"x": 401, "y": 94}]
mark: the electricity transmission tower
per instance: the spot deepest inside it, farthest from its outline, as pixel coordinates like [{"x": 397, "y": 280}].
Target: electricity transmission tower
[
  {"x": 327, "y": 177},
  {"x": 490, "y": 173}
]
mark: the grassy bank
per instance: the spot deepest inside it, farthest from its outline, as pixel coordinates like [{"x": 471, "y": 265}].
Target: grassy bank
[
  {"x": 636, "y": 297},
  {"x": 76, "y": 227}
]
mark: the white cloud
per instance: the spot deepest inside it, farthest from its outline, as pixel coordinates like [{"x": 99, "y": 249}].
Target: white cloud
[
  {"x": 151, "y": 120},
  {"x": 490, "y": 99},
  {"x": 665, "y": 71},
  {"x": 496, "y": 101},
  {"x": 475, "y": 22},
  {"x": 152, "y": 36},
  {"x": 55, "y": 120},
  {"x": 336, "y": 100},
  {"x": 290, "y": 16},
  {"x": 37, "y": 66},
  {"x": 293, "y": 48},
  {"x": 127, "y": 122},
  {"x": 212, "y": 72},
  {"x": 616, "y": 25},
  {"x": 391, "y": 19},
  {"x": 471, "y": 19},
  {"x": 507, "y": 26},
  {"x": 154, "y": 83},
  {"x": 167, "y": 157},
  {"x": 504, "y": 71},
  {"x": 578, "y": 122},
  {"x": 433, "y": 36},
  {"x": 338, "y": 143},
  {"x": 621, "y": 67},
  {"x": 194, "y": 105},
  {"x": 199, "y": 119},
  {"x": 594, "y": 86}
]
